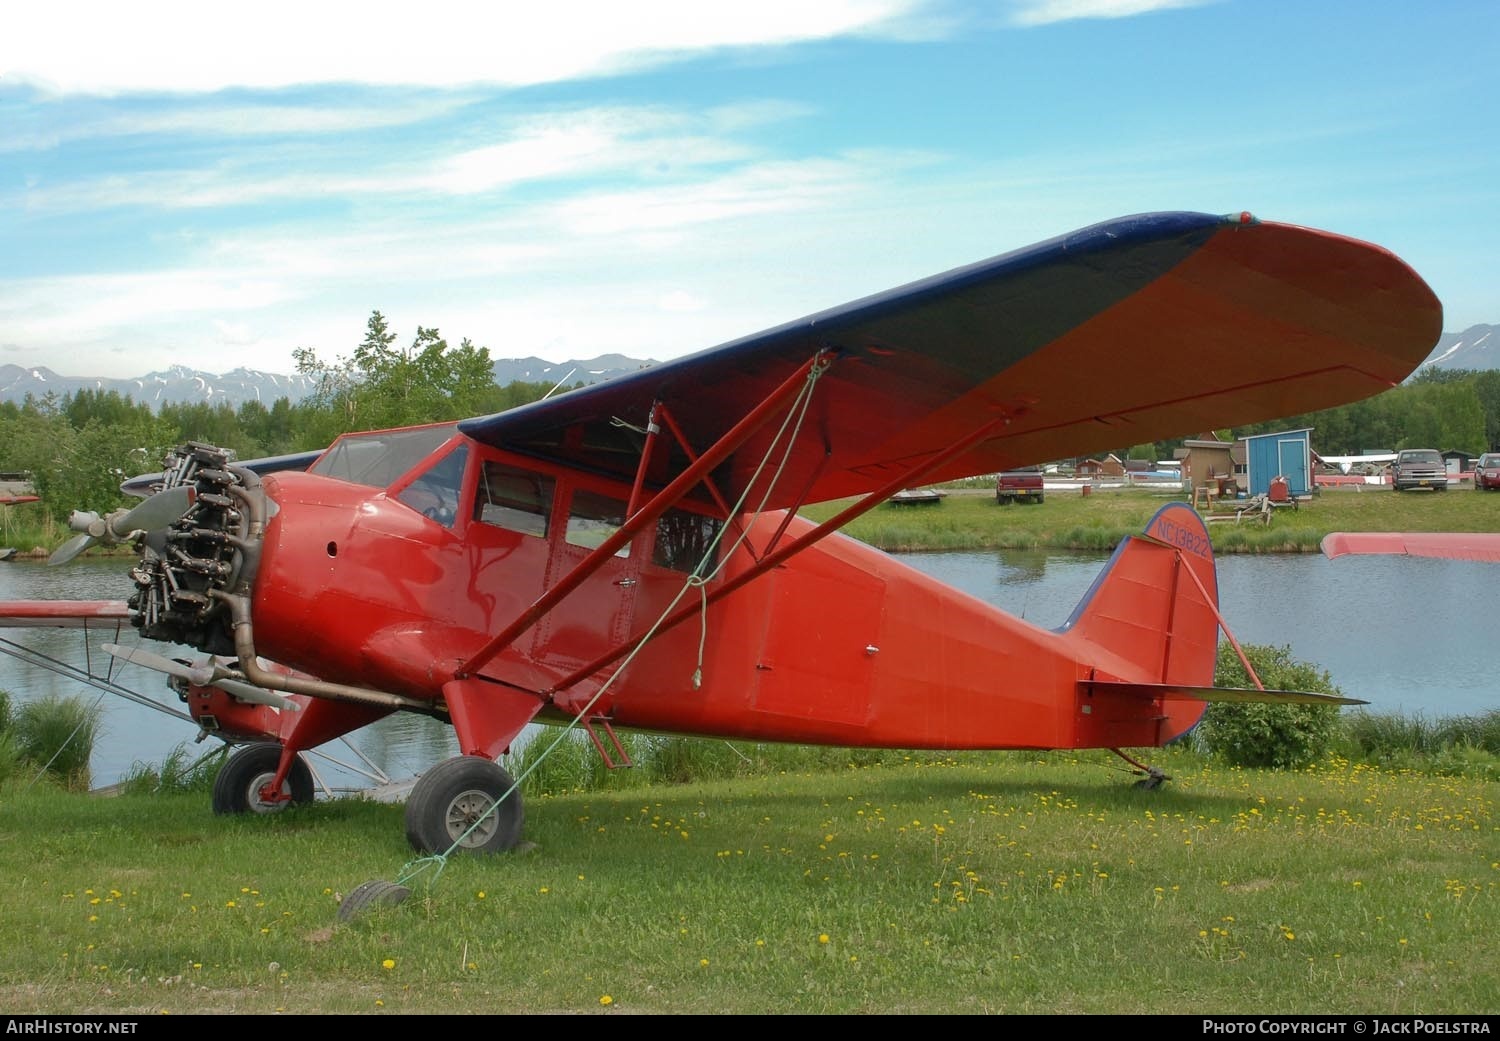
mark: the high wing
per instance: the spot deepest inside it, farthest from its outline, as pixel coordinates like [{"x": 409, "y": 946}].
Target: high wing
[
  {"x": 1481, "y": 546},
  {"x": 1129, "y": 331}
]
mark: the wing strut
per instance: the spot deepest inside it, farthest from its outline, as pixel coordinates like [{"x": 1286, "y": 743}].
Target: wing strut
[
  {"x": 652, "y": 509},
  {"x": 778, "y": 557}
]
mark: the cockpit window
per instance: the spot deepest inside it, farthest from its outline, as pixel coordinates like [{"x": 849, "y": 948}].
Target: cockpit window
[
  {"x": 435, "y": 494},
  {"x": 518, "y": 500},
  {"x": 683, "y": 540},
  {"x": 378, "y": 458},
  {"x": 592, "y": 518}
]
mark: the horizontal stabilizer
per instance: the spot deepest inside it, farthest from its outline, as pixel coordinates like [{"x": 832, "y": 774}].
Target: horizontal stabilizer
[{"x": 1183, "y": 692}]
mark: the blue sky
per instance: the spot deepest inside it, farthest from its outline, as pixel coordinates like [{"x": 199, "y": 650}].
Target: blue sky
[{"x": 182, "y": 183}]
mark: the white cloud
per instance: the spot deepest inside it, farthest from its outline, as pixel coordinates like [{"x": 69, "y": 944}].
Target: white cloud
[
  {"x": 189, "y": 46},
  {"x": 1046, "y": 12}
]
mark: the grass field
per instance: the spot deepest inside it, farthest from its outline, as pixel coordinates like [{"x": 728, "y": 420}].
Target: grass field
[
  {"x": 1012, "y": 882},
  {"x": 970, "y": 519}
]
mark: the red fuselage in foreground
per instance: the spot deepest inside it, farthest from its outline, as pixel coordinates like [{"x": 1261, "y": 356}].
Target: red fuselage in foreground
[{"x": 841, "y": 644}]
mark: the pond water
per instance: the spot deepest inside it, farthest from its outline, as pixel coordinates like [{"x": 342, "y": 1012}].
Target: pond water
[{"x": 1408, "y": 635}]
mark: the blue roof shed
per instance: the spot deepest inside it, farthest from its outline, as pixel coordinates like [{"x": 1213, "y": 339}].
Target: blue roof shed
[{"x": 1285, "y": 454}]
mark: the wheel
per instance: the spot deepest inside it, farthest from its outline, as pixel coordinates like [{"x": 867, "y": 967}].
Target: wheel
[
  {"x": 238, "y": 784},
  {"x": 453, "y": 806},
  {"x": 371, "y": 894}
]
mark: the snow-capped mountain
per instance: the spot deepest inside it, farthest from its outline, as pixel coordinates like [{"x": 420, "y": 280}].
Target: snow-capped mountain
[
  {"x": 1477, "y": 347},
  {"x": 183, "y": 385},
  {"x": 177, "y": 385}
]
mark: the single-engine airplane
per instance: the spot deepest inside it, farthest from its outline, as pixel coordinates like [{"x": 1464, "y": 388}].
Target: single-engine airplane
[{"x": 630, "y": 555}]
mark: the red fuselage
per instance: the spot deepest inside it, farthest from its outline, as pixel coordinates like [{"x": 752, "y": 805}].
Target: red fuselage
[{"x": 842, "y": 644}]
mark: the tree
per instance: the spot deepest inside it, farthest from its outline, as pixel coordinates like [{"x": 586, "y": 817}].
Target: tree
[{"x": 385, "y": 386}]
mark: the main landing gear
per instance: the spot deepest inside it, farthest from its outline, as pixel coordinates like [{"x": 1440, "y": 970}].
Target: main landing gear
[
  {"x": 461, "y": 805},
  {"x": 464, "y": 804}
]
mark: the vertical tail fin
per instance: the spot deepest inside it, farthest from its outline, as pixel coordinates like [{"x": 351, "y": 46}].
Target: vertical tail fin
[{"x": 1150, "y": 620}]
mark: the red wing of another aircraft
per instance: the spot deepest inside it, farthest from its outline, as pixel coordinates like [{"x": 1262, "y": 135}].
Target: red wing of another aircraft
[{"x": 1481, "y": 546}]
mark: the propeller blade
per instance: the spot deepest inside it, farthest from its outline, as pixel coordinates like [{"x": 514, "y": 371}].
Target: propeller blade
[
  {"x": 258, "y": 695},
  {"x": 156, "y": 512},
  {"x": 70, "y": 549},
  {"x": 202, "y": 675},
  {"x": 156, "y": 662}
]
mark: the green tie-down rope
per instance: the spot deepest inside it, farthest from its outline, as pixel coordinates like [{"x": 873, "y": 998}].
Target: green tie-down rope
[{"x": 698, "y": 579}]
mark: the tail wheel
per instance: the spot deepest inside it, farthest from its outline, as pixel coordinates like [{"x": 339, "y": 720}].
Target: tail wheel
[
  {"x": 457, "y": 804},
  {"x": 240, "y": 780}
]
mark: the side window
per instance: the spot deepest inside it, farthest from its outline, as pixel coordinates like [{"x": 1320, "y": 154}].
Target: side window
[
  {"x": 515, "y": 499},
  {"x": 435, "y": 494},
  {"x": 682, "y": 540},
  {"x": 592, "y": 518}
]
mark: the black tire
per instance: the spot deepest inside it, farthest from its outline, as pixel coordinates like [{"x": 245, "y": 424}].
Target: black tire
[
  {"x": 452, "y": 806},
  {"x": 378, "y": 893},
  {"x": 238, "y": 784}
]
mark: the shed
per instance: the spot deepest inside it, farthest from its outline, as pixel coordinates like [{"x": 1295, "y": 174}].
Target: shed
[
  {"x": 1286, "y": 453},
  {"x": 1205, "y": 460},
  {"x": 1457, "y": 462},
  {"x": 1089, "y": 468},
  {"x": 1112, "y": 467}
]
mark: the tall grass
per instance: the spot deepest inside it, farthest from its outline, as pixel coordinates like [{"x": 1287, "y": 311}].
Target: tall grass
[
  {"x": 57, "y": 734},
  {"x": 180, "y": 771}
]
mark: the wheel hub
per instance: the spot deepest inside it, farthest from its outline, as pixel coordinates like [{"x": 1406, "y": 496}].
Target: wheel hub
[{"x": 470, "y": 822}]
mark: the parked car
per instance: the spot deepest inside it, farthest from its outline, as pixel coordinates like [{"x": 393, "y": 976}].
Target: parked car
[
  {"x": 1420, "y": 468},
  {"x": 1023, "y": 485},
  {"x": 1487, "y": 472}
]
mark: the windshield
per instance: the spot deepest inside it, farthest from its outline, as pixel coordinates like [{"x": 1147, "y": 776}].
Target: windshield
[
  {"x": 1489, "y": 462},
  {"x": 1420, "y": 458},
  {"x": 379, "y": 457}
]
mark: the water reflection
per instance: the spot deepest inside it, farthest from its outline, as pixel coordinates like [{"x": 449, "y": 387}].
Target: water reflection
[{"x": 1405, "y": 634}]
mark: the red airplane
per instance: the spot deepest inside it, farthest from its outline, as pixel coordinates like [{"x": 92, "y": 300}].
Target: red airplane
[{"x": 630, "y": 554}]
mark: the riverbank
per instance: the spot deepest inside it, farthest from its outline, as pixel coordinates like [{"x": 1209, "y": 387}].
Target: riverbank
[{"x": 970, "y": 519}]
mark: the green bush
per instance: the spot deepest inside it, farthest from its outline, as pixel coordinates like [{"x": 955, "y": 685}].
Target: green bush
[
  {"x": 58, "y": 734},
  {"x": 1259, "y": 734}
]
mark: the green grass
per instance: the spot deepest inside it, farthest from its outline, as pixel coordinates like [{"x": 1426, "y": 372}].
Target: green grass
[
  {"x": 1014, "y": 882},
  {"x": 969, "y": 519}
]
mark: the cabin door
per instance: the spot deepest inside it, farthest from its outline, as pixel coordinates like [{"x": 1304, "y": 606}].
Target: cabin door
[{"x": 597, "y": 616}]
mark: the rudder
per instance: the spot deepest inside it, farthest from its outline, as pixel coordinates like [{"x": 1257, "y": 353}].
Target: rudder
[{"x": 1150, "y": 618}]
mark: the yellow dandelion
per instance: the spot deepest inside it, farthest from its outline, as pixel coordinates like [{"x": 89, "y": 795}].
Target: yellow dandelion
[
  {"x": 703, "y": 962},
  {"x": 605, "y": 999},
  {"x": 480, "y": 895},
  {"x": 389, "y": 963},
  {"x": 822, "y": 937}
]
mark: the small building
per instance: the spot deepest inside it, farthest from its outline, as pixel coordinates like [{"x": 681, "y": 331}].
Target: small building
[
  {"x": 1457, "y": 462},
  {"x": 1205, "y": 461},
  {"x": 1112, "y": 466},
  {"x": 1286, "y": 453},
  {"x": 1089, "y": 468}
]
